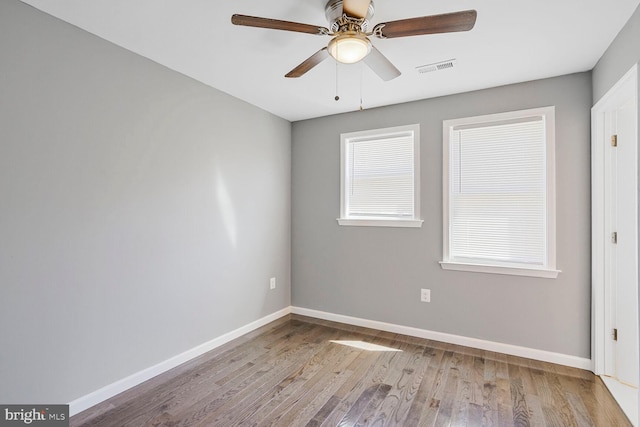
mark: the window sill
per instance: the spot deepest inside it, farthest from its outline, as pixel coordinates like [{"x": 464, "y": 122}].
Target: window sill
[
  {"x": 496, "y": 269},
  {"x": 377, "y": 222}
]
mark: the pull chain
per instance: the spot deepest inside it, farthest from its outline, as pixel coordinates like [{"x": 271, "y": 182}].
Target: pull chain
[
  {"x": 337, "y": 98},
  {"x": 361, "y": 108}
]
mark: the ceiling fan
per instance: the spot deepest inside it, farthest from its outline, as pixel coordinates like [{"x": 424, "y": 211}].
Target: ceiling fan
[{"x": 350, "y": 42}]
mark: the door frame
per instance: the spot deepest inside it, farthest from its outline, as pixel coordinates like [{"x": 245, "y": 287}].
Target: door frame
[{"x": 601, "y": 328}]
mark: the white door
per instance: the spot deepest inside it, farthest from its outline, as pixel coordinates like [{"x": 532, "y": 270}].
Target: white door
[
  {"x": 623, "y": 260},
  {"x": 615, "y": 232}
]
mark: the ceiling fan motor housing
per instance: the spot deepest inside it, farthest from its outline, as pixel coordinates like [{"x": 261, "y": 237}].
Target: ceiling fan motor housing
[{"x": 334, "y": 12}]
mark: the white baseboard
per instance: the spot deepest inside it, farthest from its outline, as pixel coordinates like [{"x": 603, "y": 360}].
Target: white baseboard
[
  {"x": 98, "y": 396},
  {"x": 514, "y": 350}
]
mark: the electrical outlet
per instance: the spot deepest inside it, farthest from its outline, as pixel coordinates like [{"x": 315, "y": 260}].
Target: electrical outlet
[
  {"x": 272, "y": 283},
  {"x": 425, "y": 295}
]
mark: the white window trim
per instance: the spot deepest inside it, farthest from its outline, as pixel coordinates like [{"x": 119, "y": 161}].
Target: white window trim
[
  {"x": 549, "y": 269},
  {"x": 414, "y": 222},
  {"x": 378, "y": 222},
  {"x": 496, "y": 269}
]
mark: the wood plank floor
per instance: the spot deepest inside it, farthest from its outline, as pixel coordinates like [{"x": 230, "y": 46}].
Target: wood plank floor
[{"x": 299, "y": 371}]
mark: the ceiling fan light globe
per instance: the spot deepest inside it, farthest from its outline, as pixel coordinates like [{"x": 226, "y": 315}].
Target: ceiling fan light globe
[{"x": 349, "y": 48}]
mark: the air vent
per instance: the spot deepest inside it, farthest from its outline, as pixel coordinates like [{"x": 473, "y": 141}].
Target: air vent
[{"x": 443, "y": 65}]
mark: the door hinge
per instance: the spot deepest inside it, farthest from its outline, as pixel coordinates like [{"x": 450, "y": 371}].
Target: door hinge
[
  {"x": 614, "y": 140},
  {"x": 614, "y": 237},
  {"x": 615, "y": 334}
]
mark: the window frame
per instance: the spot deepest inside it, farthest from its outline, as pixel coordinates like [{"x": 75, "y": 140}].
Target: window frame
[
  {"x": 397, "y": 131},
  {"x": 548, "y": 269}
]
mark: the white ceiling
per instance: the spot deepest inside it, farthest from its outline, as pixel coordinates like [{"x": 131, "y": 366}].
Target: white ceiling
[{"x": 512, "y": 41}]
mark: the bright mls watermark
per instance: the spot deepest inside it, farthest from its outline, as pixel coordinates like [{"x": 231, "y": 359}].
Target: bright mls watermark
[{"x": 36, "y": 415}]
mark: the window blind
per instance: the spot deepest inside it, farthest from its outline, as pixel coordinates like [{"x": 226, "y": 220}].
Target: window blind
[
  {"x": 497, "y": 200},
  {"x": 380, "y": 177}
]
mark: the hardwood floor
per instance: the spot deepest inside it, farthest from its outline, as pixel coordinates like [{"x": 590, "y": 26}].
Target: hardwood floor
[{"x": 299, "y": 371}]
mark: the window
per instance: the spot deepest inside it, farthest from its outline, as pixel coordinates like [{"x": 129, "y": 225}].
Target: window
[
  {"x": 380, "y": 177},
  {"x": 499, "y": 193}
]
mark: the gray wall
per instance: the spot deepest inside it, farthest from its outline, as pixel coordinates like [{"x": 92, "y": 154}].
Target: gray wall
[
  {"x": 377, "y": 273},
  {"x": 141, "y": 213},
  {"x": 621, "y": 55}
]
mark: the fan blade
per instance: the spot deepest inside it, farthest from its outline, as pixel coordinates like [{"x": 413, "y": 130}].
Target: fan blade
[
  {"x": 276, "y": 24},
  {"x": 381, "y": 65},
  {"x": 356, "y": 8},
  {"x": 309, "y": 63},
  {"x": 434, "y": 24}
]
